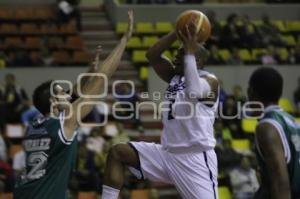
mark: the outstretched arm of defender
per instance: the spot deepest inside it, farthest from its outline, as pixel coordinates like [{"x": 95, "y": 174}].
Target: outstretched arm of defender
[
  {"x": 95, "y": 84},
  {"x": 271, "y": 147}
]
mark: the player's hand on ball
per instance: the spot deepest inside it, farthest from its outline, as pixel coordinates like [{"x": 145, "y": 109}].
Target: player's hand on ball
[
  {"x": 190, "y": 41},
  {"x": 129, "y": 31}
]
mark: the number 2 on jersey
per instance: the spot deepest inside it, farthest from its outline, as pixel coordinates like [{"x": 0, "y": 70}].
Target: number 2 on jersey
[{"x": 38, "y": 162}]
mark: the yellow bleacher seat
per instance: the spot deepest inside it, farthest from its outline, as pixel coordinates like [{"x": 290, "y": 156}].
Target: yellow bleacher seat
[
  {"x": 298, "y": 120},
  {"x": 144, "y": 28},
  {"x": 225, "y": 54},
  {"x": 144, "y": 73},
  {"x": 163, "y": 27},
  {"x": 256, "y": 52},
  {"x": 148, "y": 41},
  {"x": 134, "y": 42},
  {"x": 241, "y": 145},
  {"x": 139, "y": 56},
  {"x": 222, "y": 23},
  {"x": 176, "y": 44},
  {"x": 140, "y": 194},
  {"x": 289, "y": 39},
  {"x": 168, "y": 54},
  {"x": 249, "y": 125},
  {"x": 293, "y": 26},
  {"x": 286, "y": 105},
  {"x": 224, "y": 193},
  {"x": 283, "y": 53},
  {"x": 280, "y": 25},
  {"x": 245, "y": 55},
  {"x": 257, "y": 22},
  {"x": 121, "y": 27}
]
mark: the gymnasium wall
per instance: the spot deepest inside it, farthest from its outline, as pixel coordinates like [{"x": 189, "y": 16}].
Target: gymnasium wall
[
  {"x": 169, "y": 12},
  {"x": 29, "y": 78}
]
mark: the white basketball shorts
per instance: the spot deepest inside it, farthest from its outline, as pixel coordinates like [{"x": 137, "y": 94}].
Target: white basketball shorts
[{"x": 194, "y": 174}]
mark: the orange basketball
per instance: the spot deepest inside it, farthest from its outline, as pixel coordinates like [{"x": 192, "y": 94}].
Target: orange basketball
[{"x": 196, "y": 21}]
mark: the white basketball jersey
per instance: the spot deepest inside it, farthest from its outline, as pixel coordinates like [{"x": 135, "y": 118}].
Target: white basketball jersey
[{"x": 189, "y": 124}]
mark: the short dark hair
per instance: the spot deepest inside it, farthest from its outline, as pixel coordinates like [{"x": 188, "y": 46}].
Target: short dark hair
[
  {"x": 41, "y": 96},
  {"x": 267, "y": 83}
]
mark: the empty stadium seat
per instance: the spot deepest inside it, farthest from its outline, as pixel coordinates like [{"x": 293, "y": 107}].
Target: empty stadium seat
[
  {"x": 61, "y": 58},
  {"x": 289, "y": 39},
  {"x": 6, "y": 14},
  {"x": 33, "y": 43},
  {"x": 55, "y": 43},
  {"x": 44, "y": 13},
  {"x": 257, "y": 52},
  {"x": 241, "y": 145},
  {"x": 140, "y": 194},
  {"x": 74, "y": 43},
  {"x": 134, "y": 42},
  {"x": 249, "y": 125},
  {"x": 6, "y": 196},
  {"x": 286, "y": 105},
  {"x": 225, "y": 54},
  {"x": 280, "y": 25},
  {"x": 24, "y": 14},
  {"x": 224, "y": 193},
  {"x": 149, "y": 41},
  {"x": 69, "y": 28},
  {"x": 245, "y": 55},
  {"x": 144, "y": 73},
  {"x": 9, "y": 29},
  {"x": 293, "y": 26},
  {"x": 49, "y": 29},
  {"x": 29, "y": 29},
  {"x": 139, "y": 56},
  {"x": 13, "y": 42},
  {"x": 121, "y": 27},
  {"x": 81, "y": 57},
  {"x": 144, "y": 28},
  {"x": 163, "y": 27},
  {"x": 87, "y": 195}
]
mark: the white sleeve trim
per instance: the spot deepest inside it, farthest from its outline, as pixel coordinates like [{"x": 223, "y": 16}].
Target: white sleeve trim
[
  {"x": 61, "y": 132},
  {"x": 286, "y": 147}
]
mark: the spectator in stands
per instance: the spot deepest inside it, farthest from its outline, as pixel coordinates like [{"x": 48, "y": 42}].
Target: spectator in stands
[
  {"x": 270, "y": 57},
  {"x": 216, "y": 29},
  {"x": 228, "y": 158},
  {"x": 15, "y": 100},
  {"x": 68, "y": 10},
  {"x": 248, "y": 33},
  {"x": 222, "y": 94},
  {"x": 214, "y": 57},
  {"x": 294, "y": 55},
  {"x": 22, "y": 59},
  {"x": 2, "y": 60},
  {"x": 221, "y": 133},
  {"x": 235, "y": 58},
  {"x": 128, "y": 99},
  {"x": 230, "y": 34},
  {"x": 243, "y": 180},
  {"x": 238, "y": 94},
  {"x": 269, "y": 33},
  {"x": 297, "y": 96}
]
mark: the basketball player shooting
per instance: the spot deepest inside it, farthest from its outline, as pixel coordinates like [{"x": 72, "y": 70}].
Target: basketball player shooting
[{"x": 185, "y": 157}]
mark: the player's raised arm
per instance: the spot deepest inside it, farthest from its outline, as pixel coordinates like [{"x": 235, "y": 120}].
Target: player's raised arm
[
  {"x": 271, "y": 148},
  {"x": 200, "y": 87},
  {"x": 95, "y": 85},
  {"x": 161, "y": 64}
]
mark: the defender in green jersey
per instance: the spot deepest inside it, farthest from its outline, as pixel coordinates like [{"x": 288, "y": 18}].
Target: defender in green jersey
[
  {"x": 277, "y": 139},
  {"x": 50, "y": 142}
]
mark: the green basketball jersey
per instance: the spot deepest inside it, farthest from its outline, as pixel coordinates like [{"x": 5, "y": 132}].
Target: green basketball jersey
[
  {"x": 289, "y": 131},
  {"x": 50, "y": 159}
]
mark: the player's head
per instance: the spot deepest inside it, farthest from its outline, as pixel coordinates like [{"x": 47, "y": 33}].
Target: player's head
[
  {"x": 44, "y": 98},
  {"x": 201, "y": 56},
  {"x": 265, "y": 85}
]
